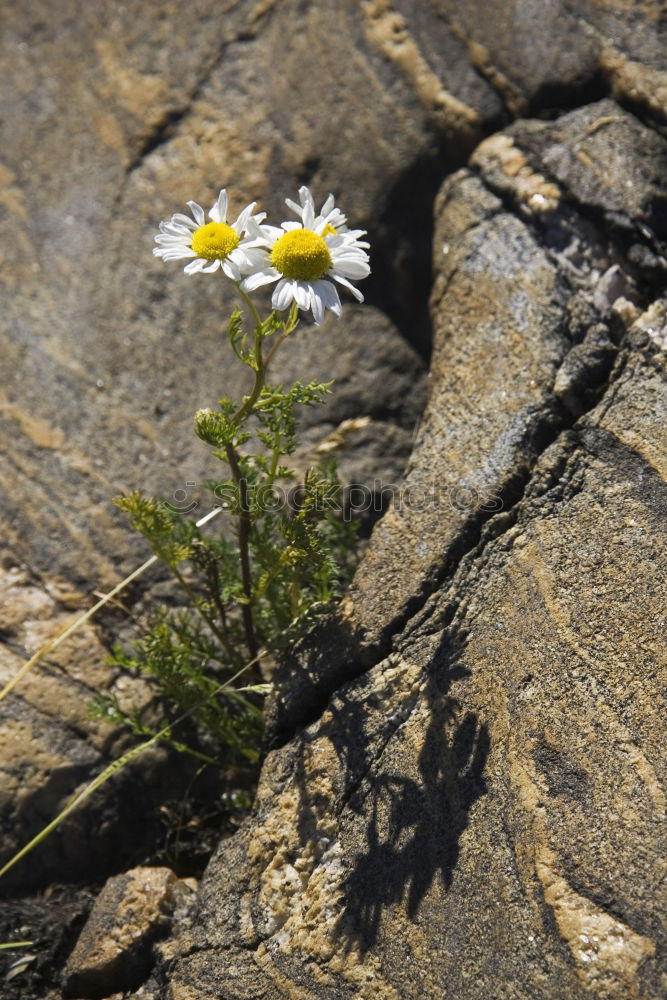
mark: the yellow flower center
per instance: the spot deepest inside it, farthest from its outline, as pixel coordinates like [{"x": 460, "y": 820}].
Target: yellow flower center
[
  {"x": 214, "y": 241},
  {"x": 301, "y": 254},
  {"x": 329, "y": 230}
]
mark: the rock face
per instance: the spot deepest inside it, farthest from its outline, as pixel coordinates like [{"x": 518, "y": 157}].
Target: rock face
[
  {"x": 464, "y": 797},
  {"x": 113, "y": 952},
  {"x": 110, "y": 125},
  {"x": 480, "y": 813}
]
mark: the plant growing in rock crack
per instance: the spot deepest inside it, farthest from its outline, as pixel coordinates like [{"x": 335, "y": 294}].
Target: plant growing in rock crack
[{"x": 259, "y": 583}]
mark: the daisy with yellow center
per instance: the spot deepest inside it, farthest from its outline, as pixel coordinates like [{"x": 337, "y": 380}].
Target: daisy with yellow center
[
  {"x": 211, "y": 245},
  {"x": 305, "y": 258}
]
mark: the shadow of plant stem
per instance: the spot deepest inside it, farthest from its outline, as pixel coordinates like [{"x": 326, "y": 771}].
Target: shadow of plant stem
[{"x": 414, "y": 827}]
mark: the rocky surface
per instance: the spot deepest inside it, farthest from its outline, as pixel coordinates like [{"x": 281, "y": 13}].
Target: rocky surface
[
  {"x": 480, "y": 813},
  {"x": 110, "y": 125},
  {"x": 113, "y": 952},
  {"x": 527, "y": 248},
  {"x": 472, "y": 808}
]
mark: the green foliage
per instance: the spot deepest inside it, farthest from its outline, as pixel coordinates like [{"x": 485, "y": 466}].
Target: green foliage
[{"x": 250, "y": 588}]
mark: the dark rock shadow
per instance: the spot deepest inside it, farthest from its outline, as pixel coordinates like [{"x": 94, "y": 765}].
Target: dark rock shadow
[{"x": 414, "y": 827}]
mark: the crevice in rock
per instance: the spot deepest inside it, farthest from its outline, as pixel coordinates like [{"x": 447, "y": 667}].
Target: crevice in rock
[
  {"x": 402, "y": 238},
  {"x": 168, "y": 125},
  {"x": 477, "y": 533},
  {"x": 162, "y": 132},
  {"x": 402, "y": 233},
  {"x": 552, "y": 100}
]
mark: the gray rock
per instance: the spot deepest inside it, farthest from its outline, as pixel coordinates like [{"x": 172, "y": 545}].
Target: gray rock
[
  {"x": 516, "y": 266},
  {"x": 113, "y": 951},
  {"x": 540, "y": 55},
  {"x": 479, "y": 811},
  {"x": 452, "y": 819}
]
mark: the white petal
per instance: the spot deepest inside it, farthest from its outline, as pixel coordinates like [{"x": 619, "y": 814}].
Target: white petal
[
  {"x": 219, "y": 211},
  {"x": 317, "y": 305},
  {"x": 351, "y": 268},
  {"x": 329, "y": 295},
  {"x": 349, "y": 253},
  {"x": 255, "y": 258},
  {"x": 289, "y": 226},
  {"x": 309, "y": 215},
  {"x": 241, "y": 224},
  {"x": 263, "y": 233},
  {"x": 231, "y": 268},
  {"x": 197, "y": 213},
  {"x": 171, "y": 240},
  {"x": 328, "y": 205},
  {"x": 283, "y": 294},
  {"x": 259, "y": 278},
  {"x": 302, "y": 294},
  {"x": 194, "y": 266},
  {"x": 297, "y": 209},
  {"x": 213, "y": 266},
  {"x": 343, "y": 281},
  {"x": 305, "y": 197},
  {"x": 336, "y": 219},
  {"x": 169, "y": 253},
  {"x": 183, "y": 220}
]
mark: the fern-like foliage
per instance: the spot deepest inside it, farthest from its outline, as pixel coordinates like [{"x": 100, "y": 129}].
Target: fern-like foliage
[{"x": 250, "y": 587}]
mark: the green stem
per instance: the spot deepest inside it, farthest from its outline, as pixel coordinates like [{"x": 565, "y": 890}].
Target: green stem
[
  {"x": 250, "y": 304},
  {"x": 290, "y": 325},
  {"x": 243, "y": 412},
  {"x": 244, "y": 550},
  {"x": 197, "y": 754},
  {"x": 197, "y": 604},
  {"x": 214, "y": 584},
  {"x": 248, "y": 404},
  {"x": 275, "y": 459}
]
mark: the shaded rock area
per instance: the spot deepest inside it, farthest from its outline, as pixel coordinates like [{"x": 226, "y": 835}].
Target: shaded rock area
[{"x": 464, "y": 797}]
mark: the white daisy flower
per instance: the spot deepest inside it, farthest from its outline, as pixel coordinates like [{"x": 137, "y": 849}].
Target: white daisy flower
[
  {"x": 306, "y": 258},
  {"x": 214, "y": 244}
]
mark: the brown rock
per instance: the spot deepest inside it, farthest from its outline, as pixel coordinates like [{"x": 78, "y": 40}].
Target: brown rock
[
  {"x": 50, "y": 748},
  {"x": 481, "y": 813},
  {"x": 108, "y": 351},
  {"x": 555, "y": 245},
  {"x": 113, "y": 951}
]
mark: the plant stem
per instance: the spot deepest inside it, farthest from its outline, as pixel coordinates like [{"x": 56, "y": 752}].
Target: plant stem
[
  {"x": 214, "y": 584},
  {"x": 197, "y": 605},
  {"x": 244, "y": 550},
  {"x": 290, "y": 325},
  {"x": 275, "y": 459},
  {"x": 239, "y": 417}
]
